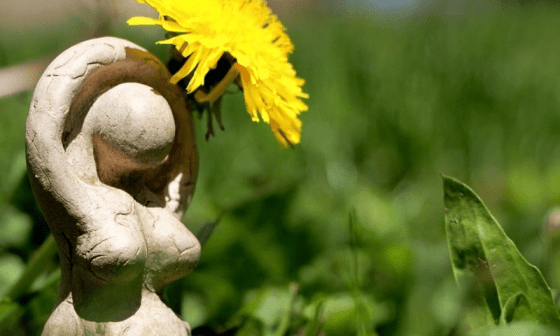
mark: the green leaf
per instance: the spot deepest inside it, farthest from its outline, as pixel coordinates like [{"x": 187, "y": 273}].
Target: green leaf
[
  {"x": 503, "y": 282},
  {"x": 517, "y": 308}
]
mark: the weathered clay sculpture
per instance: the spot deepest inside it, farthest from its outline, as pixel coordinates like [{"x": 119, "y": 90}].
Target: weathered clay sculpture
[{"x": 112, "y": 160}]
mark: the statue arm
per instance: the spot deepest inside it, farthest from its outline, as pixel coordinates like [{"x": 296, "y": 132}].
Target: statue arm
[
  {"x": 62, "y": 98},
  {"x": 50, "y": 108}
]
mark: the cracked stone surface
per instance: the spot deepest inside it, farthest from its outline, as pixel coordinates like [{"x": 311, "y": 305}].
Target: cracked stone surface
[{"x": 112, "y": 161}]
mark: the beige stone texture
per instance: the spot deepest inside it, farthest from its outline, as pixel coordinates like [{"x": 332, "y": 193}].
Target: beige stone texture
[{"x": 112, "y": 161}]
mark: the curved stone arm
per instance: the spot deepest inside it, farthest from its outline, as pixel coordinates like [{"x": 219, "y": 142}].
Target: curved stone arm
[
  {"x": 72, "y": 82},
  {"x": 112, "y": 161}
]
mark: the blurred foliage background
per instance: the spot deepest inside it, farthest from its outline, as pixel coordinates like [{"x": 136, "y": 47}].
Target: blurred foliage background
[{"x": 344, "y": 233}]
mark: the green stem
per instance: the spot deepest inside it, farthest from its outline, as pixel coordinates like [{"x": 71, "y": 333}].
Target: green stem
[{"x": 36, "y": 266}]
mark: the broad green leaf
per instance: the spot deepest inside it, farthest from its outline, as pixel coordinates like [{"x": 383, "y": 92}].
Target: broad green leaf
[
  {"x": 483, "y": 255},
  {"x": 468, "y": 259}
]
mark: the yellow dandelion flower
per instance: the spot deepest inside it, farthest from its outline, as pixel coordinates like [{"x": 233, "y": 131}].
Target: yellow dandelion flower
[{"x": 248, "y": 31}]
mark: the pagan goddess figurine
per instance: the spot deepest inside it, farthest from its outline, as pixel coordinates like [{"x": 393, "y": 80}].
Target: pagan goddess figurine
[
  {"x": 112, "y": 161},
  {"x": 112, "y": 157}
]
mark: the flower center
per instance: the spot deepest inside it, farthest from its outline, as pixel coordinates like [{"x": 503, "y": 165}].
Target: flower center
[
  {"x": 219, "y": 88},
  {"x": 218, "y": 80}
]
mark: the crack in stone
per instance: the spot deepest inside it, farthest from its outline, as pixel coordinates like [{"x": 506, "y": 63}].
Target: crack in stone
[
  {"x": 87, "y": 69},
  {"x": 123, "y": 214},
  {"x": 97, "y": 244}
]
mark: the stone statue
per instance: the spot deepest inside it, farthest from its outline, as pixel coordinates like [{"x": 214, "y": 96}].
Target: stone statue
[{"x": 112, "y": 161}]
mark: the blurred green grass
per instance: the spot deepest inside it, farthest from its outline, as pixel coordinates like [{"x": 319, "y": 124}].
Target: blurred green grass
[{"x": 392, "y": 106}]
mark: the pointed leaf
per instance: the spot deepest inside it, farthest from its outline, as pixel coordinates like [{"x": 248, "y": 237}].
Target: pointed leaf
[
  {"x": 468, "y": 260},
  {"x": 481, "y": 252}
]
